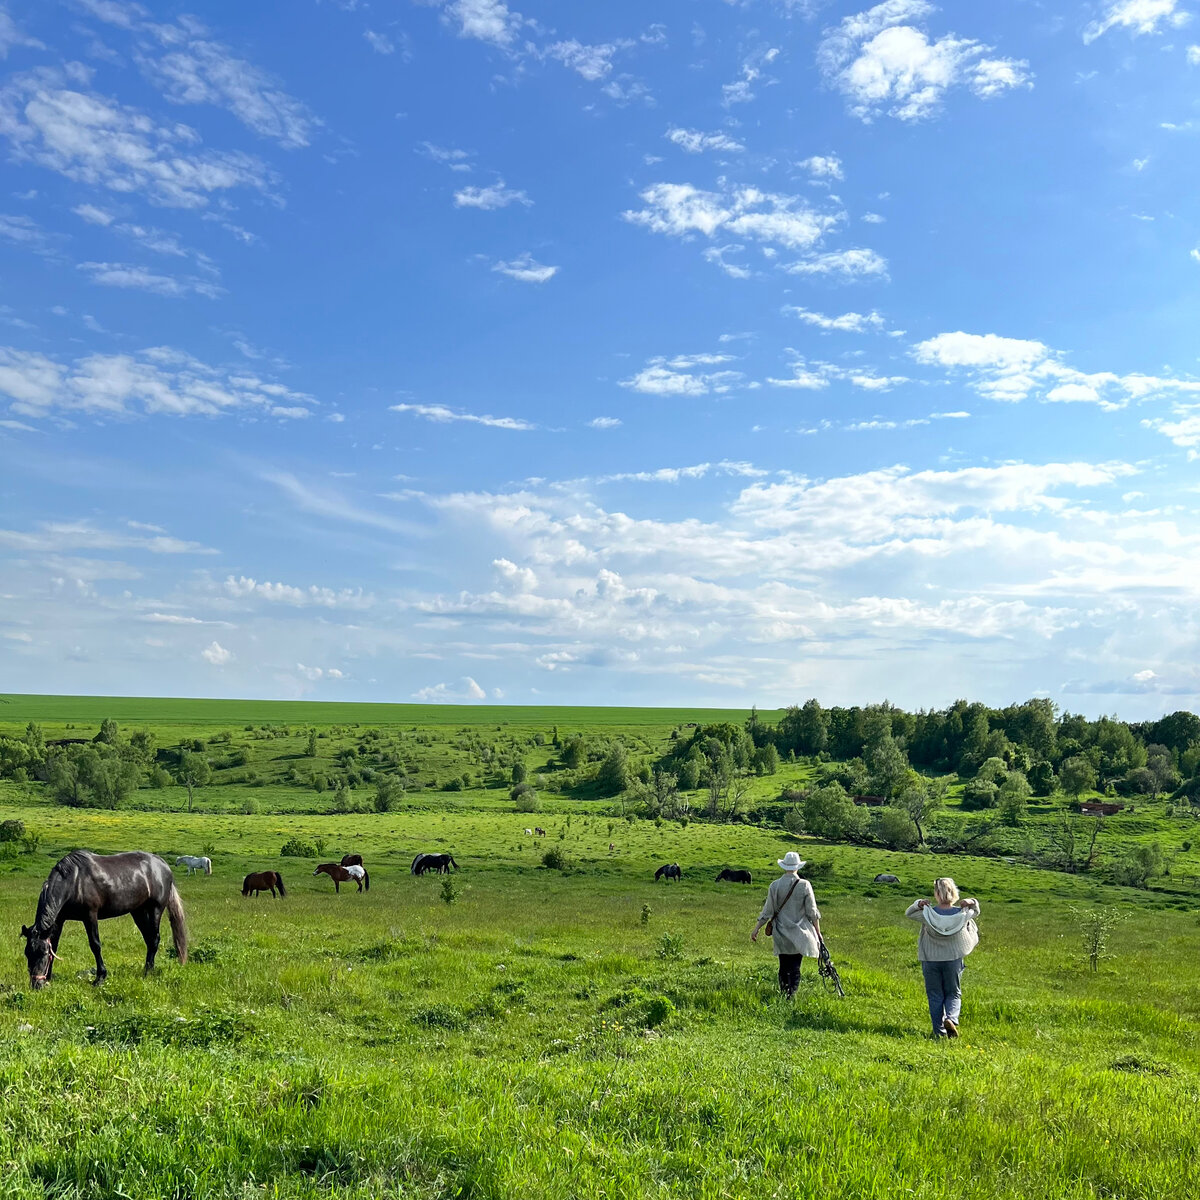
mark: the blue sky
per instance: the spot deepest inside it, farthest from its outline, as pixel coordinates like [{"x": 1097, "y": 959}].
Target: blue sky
[{"x": 707, "y": 351}]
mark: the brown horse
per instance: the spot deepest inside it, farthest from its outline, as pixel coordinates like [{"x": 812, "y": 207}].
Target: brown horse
[
  {"x": 341, "y": 875},
  {"x": 264, "y": 881},
  {"x": 352, "y": 860}
]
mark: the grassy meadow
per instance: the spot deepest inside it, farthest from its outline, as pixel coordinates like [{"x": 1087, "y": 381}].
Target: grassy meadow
[{"x": 578, "y": 1032}]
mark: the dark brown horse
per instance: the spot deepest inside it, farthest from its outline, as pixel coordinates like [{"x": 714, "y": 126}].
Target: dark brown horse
[
  {"x": 440, "y": 864},
  {"x": 352, "y": 860},
  {"x": 341, "y": 875},
  {"x": 90, "y": 888},
  {"x": 264, "y": 881}
]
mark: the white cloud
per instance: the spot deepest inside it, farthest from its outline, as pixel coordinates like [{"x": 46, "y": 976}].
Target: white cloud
[
  {"x": 823, "y": 166},
  {"x": 1012, "y": 369},
  {"x": 379, "y": 42},
  {"x": 12, "y": 35},
  {"x": 442, "y": 415},
  {"x": 216, "y": 654},
  {"x": 93, "y": 215},
  {"x": 125, "y": 275},
  {"x": 604, "y": 422},
  {"x": 678, "y": 376},
  {"x": 743, "y": 470},
  {"x": 466, "y": 689},
  {"x": 695, "y": 142},
  {"x": 526, "y": 269},
  {"x": 242, "y": 587},
  {"x": 771, "y": 218},
  {"x": 1193, "y": 55},
  {"x": 497, "y": 195},
  {"x": 1138, "y": 16},
  {"x": 485, "y": 20},
  {"x": 882, "y": 63},
  {"x": 850, "y": 322},
  {"x": 93, "y": 140},
  {"x": 592, "y": 62},
  {"x": 52, "y": 537},
  {"x": 456, "y": 160},
  {"x": 151, "y": 382},
  {"x": 856, "y": 263}
]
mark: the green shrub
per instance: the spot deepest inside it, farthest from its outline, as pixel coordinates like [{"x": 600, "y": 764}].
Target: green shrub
[
  {"x": 12, "y": 830},
  {"x": 295, "y": 848},
  {"x": 557, "y": 859},
  {"x": 659, "y": 1011},
  {"x": 670, "y": 945}
]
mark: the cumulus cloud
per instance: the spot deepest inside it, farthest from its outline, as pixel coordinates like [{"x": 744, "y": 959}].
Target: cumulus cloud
[
  {"x": 592, "y": 62},
  {"x": 496, "y": 195},
  {"x": 51, "y": 118},
  {"x": 526, "y": 269},
  {"x": 604, "y": 422},
  {"x": 465, "y": 690},
  {"x": 243, "y": 587},
  {"x": 883, "y": 62},
  {"x": 1138, "y": 16},
  {"x": 441, "y": 415},
  {"x": 823, "y": 166},
  {"x": 484, "y": 20},
  {"x": 158, "y": 381},
  {"x": 216, "y": 654},
  {"x": 1012, "y": 369}
]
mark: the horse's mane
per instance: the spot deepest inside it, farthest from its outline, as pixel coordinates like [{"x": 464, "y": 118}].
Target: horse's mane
[{"x": 51, "y": 900}]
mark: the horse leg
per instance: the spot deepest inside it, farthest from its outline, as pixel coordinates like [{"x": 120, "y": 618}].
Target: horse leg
[
  {"x": 149, "y": 923},
  {"x": 92, "y": 926}
]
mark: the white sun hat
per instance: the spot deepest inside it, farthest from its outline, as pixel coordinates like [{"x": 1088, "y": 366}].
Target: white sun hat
[{"x": 791, "y": 861}]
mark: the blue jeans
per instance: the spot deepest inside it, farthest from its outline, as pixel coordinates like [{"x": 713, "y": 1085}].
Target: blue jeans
[{"x": 943, "y": 987}]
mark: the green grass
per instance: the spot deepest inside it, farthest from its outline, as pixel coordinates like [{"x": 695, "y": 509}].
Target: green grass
[
  {"x": 530, "y": 1039},
  {"x": 511, "y": 1043}
]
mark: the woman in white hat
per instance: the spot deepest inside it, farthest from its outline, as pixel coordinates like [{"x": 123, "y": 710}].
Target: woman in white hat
[{"x": 795, "y": 921}]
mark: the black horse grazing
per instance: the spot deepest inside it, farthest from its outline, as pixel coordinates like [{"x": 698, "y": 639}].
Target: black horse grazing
[
  {"x": 728, "y": 876},
  {"x": 264, "y": 881},
  {"x": 90, "y": 888},
  {"x": 340, "y": 875},
  {"x": 438, "y": 863},
  {"x": 352, "y": 860},
  {"x": 668, "y": 871}
]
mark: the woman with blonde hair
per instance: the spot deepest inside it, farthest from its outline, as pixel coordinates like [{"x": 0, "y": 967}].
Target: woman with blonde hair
[
  {"x": 793, "y": 921},
  {"x": 948, "y": 935}
]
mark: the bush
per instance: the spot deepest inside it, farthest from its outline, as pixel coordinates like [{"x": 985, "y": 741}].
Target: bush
[
  {"x": 296, "y": 848},
  {"x": 557, "y": 859},
  {"x": 977, "y": 794},
  {"x": 249, "y": 807},
  {"x": 895, "y": 828},
  {"x": 526, "y": 799},
  {"x": 670, "y": 945},
  {"x": 12, "y": 830},
  {"x": 658, "y": 1011}
]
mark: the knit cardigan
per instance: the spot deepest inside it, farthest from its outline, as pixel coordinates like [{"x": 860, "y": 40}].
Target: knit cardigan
[
  {"x": 934, "y": 945},
  {"x": 795, "y": 915}
]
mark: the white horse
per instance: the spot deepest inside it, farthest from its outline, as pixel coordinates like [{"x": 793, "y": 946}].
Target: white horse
[{"x": 194, "y": 864}]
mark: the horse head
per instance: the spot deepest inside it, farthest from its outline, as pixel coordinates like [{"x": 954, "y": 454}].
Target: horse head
[{"x": 39, "y": 954}]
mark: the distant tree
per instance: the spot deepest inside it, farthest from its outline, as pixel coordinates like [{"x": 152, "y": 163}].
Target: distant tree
[
  {"x": 1177, "y": 731},
  {"x": 689, "y": 772},
  {"x": 887, "y": 764},
  {"x": 977, "y": 794},
  {"x": 144, "y": 744},
  {"x": 1071, "y": 843},
  {"x": 1076, "y": 776},
  {"x": 193, "y": 771},
  {"x": 310, "y": 745},
  {"x": 992, "y": 770},
  {"x": 519, "y": 772},
  {"x": 35, "y": 739},
  {"x": 109, "y": 734},
  {"x": 1095, "y": 926},
  {"x": 1041, "y": 778},
  {"x": 1161, "y": 768},
  {"x": 388, "y": 793},
  {"x": 1140, "y": 865},
  {"x": 1014, "y": 798},
  {"x": 766, "y": 759},
  {"x": 828, "y": 812},
  {"x": 92, "y": 774},
  {"x": 921, "y": 798},
  {"x": 614, "y": 776},
  {"x": 975, "y": 743},
  {"x": 574, "y": 752}
]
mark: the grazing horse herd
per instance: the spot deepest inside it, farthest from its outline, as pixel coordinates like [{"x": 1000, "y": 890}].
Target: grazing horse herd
[{"x": 89, "y": 888}]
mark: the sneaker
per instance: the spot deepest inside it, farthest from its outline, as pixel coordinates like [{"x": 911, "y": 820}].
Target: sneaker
[{"x": 950, "y": 1027}]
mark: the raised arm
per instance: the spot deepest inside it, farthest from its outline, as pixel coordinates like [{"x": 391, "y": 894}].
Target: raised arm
[{"x": 913, "y": 911}]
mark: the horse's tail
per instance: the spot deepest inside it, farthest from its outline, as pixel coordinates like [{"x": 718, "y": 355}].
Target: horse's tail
[
  {"x": 179, "y": 931},
  {"x": 366, "y": 881},
  {"x": 208, "y": 866},
  {"x": 452, "y": 862},
  {"x": 279, "y": 884}
]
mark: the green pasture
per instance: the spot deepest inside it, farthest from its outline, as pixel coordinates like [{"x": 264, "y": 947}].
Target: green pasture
[{"x": 529, "y": 1038}]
